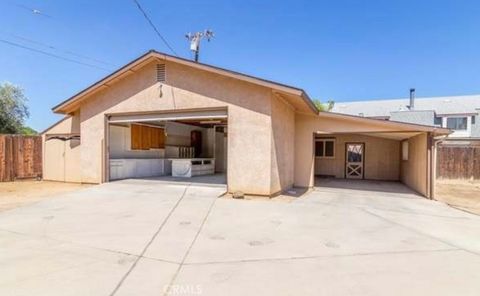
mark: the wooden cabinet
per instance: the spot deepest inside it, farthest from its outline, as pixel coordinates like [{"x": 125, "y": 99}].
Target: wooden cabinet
[
  {"x": 136, "y": 136},
  {"x": 146, "y": 137},
  {"x": 157, "y": 138},
  {"x": 154, "y": 138}
]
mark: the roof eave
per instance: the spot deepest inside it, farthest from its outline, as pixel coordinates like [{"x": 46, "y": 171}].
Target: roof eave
[
  {"x": 62, "y": 108},
  {"x": 66, "y": 106},
  {"x": 413, "y": 126}
]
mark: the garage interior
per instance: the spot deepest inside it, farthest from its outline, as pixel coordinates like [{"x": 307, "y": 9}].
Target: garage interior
[{"x": 177, "y": 147}]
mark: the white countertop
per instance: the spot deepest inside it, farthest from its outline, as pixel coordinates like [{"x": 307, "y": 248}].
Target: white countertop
[{"x": 189, "y": 159}]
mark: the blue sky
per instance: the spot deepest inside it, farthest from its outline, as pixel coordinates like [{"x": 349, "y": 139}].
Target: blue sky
[{"x": 340, "y": 50}]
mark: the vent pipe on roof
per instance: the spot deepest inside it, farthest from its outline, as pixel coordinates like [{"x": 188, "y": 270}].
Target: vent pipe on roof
[{"x": 412, "y": 99}]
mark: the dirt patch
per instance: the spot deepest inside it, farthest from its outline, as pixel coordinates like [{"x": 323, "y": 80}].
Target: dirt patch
[
  {"x": 461, "y": 194},
  {"x": 21, "y": 193}
]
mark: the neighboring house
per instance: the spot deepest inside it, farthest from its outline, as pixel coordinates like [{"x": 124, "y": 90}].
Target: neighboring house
[
  {"x": 164, "y": 115},
  {"x": 459, "y": 113}
]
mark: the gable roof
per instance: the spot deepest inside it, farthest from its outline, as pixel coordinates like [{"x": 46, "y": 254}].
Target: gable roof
[
  {"x": 155, "y": 55},
  {"x": 382, "y": 108}
]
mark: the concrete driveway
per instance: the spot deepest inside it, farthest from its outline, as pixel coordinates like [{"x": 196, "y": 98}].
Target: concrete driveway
[{"x": 144, "y": 237}]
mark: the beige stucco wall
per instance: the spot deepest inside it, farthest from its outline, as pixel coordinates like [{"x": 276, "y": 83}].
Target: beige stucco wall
[
  {"x": 61, "y": 159},
  {"x": 283, "y": 145},
  {"x": 414, "y": 171},
  {"x": 250, "y": 136},
  {"x": 382, "y": 158}
]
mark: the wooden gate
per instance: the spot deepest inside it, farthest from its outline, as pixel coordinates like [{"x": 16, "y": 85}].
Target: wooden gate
[
  {"x": 20, "y": 157},
  {"x": 458, "y": 161}
]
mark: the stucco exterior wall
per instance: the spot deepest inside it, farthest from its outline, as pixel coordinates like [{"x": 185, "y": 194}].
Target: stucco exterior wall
[
  {"x": 414, "y": 171},
  {"x": 382, "y": 158},
  {"x": 249, "y": 118},
  {"x": 61, "y": 159},
  {"x": 283, "y": 145}
]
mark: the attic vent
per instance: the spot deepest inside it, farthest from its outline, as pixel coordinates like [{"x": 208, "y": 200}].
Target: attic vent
[{"x": 161, "y": 73}]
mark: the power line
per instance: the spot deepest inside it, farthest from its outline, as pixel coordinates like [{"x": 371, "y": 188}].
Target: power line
[
  {"x": 43, "y": 44},
  {"x": 52, "y": 55},
  {"x": 153, "y": 26}
]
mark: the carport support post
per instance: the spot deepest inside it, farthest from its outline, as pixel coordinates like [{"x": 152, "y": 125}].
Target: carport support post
[
  {"x": 106, "y": 151},
  {"x": 434, "y": 166},
  {"x": 431, "y": 165}
]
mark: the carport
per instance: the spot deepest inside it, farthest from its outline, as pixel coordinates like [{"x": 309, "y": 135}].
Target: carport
[
  {"x": 354, "y": 148},
  {"x": 361, "y": 156}
]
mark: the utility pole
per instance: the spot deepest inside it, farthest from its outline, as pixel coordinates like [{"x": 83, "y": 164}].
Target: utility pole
[{"x": 195, "y": 39}]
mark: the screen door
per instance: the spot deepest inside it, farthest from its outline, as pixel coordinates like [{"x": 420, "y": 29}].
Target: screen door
[{"x": 354, "y": 160}]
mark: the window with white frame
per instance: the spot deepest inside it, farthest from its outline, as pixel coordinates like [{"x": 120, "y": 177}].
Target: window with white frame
[
  {"x": 325, "y": 148},
  {"x": 457, "y": 123}
]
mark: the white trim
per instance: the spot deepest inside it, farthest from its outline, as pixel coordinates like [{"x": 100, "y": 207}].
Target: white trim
[
  {"x": 213, "y": 114},
  {"x": 459, "y": 133}
]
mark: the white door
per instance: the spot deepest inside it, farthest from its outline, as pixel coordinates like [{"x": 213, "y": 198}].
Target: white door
[
  {"x": 54, "y": 160},
  {"x": 355, "y": 153}
]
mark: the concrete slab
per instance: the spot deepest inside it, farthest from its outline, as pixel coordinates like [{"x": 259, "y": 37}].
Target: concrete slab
[
  {"x": 115, "y": 216},
  {"x": 238, "y": 230},
  {"x": 42, "y": 266},
  {"x": 150, "y": 277},
  {"x": 409, "y": 273},
  {"x": 176, "y": 237},
  {"x": 149, "y": 237},
  {"x": 357, "y": 195},
  {"x": 362, "y": 187},
  {"x": 461, "y": 233}
]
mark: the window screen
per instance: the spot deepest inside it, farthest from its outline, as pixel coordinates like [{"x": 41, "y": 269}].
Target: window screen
[
  {"x": 457, "y": 123},
  {"x": 319, "y": 145},
  {"x": 324, "y": 147},
  {"x": 329, "y": 147}
]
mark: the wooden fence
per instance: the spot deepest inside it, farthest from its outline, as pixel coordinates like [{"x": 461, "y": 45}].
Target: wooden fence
[
  {"x": 458, "y": 161},
  {"x": 20, "y": 157}
]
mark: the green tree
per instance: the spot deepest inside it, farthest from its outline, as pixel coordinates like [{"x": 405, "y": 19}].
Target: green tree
[
  {"x": 28, "y": 131},
  {"x": 13, "y": 109},
  {"x": 328, "y": 106}
]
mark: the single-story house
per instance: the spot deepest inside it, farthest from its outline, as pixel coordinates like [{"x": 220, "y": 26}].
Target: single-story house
[{"x": 165, "y": 115}]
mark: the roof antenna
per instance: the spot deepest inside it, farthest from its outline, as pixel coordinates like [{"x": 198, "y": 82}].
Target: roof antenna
[{"x": 195, "y": 39}]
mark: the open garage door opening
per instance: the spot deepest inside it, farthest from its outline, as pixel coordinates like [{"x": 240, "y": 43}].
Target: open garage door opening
[{"x": 183, "y": 147}]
